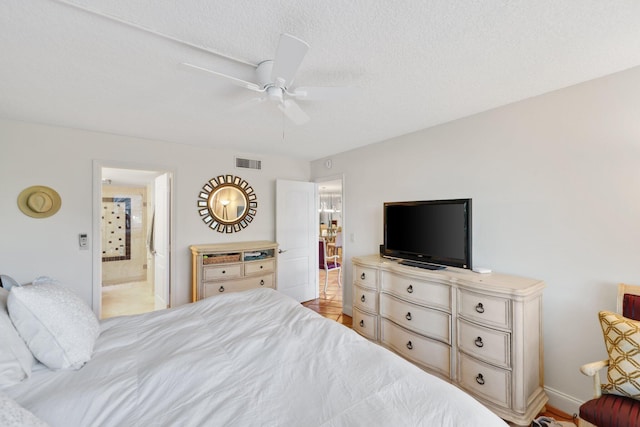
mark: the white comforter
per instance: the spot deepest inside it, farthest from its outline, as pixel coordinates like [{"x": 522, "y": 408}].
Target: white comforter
[{"x": 255, "y": 358}]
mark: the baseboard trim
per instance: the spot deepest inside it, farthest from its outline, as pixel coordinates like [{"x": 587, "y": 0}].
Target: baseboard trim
[{"x": 563, "y": 401}]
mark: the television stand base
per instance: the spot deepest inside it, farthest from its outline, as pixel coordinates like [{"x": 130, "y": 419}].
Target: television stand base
[{"x": 424, "y": 265}]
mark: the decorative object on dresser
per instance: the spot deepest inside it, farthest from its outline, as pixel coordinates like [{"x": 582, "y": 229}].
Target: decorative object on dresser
[
  {"x": 619, "y": 405},
  {"x": 232, "y": 267},
  {"x": 482, "y": 332},
  {"x": 227, "y": 203}
]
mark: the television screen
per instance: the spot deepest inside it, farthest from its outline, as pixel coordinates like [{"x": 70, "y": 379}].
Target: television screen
[{"x": 436, "y": 232}]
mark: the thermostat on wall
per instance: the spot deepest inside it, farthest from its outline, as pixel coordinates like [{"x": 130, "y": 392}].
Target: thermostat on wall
[{"x": 83, "y": 241}]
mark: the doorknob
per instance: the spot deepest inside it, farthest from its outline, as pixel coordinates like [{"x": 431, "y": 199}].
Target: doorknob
[{"x": 280, "y": 251}]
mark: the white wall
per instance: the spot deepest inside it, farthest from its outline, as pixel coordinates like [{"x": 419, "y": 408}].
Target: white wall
[
  {"x": 62, "y": 158},
  {"x": 555, "y": 182}
]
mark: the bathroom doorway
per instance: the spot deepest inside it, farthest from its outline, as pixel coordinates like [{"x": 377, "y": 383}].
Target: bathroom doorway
[{"x": 134, "y": 235}]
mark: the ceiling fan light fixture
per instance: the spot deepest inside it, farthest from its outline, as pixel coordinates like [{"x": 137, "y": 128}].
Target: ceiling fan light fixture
[{"x": 275, "y": 94}]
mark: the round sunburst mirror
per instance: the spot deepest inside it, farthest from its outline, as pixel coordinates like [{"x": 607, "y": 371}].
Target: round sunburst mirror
[{"x": 227, "y": 203}]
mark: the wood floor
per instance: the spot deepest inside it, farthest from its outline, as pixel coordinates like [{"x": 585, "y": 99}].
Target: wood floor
[{"x": 329, "y": 305}]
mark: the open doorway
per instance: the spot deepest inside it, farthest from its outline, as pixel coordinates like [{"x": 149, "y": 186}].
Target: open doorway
[
  {"x": 133, "y": 219},
  {"x": 330, "y": 233}
]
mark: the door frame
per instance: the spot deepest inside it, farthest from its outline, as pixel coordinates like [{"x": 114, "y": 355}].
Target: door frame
[
  {"x": 318, "y": 182},
  {"x": 96, "y": 241}
]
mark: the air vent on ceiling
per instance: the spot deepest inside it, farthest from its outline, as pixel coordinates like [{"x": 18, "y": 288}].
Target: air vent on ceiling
[{"x": 248, "y": 163}]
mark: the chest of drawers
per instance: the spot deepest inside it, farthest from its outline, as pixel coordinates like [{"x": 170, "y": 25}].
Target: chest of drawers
[
  {"x": 232, "y": 267},
  {"x": 482, "y": 332},
  {"x": 365, "y": 301}
]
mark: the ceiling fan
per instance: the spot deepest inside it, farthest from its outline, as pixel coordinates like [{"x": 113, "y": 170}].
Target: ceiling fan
[{"x": 275, "y": 77}]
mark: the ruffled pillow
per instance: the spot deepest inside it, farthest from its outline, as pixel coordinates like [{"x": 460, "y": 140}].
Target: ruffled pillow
[{"x": 58, "y": 326}]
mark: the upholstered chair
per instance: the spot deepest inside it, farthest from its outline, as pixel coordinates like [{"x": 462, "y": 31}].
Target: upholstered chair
[{"x": 622, "y": 338}]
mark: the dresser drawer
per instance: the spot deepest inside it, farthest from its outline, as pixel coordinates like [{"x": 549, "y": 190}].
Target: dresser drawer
[
  {"x": 489, "y": 310},
  {"x": 221, "y": 272},
  {"x": 485, "y": 381},
  {"x": 419, "y": 291},
  {"x": 424, "y": 351},
  {"x": 365, "y": 276},
  {"x": 426, "y": 321},
  {"x": 265, "y": 281},
  {"x": 365, "y": 324},
  {"x": 485, "y": 344},
  {"x": 365, "y": 299},
  {"x": 262, "y": 266}
]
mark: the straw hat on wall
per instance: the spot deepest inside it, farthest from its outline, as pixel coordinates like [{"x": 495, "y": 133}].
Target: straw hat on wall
[{"x": 39, "y": 201}]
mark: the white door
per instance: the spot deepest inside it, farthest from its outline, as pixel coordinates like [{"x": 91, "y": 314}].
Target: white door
[
  {"x": 297, "y": 237},
  {"x": 160, "y": 247}
]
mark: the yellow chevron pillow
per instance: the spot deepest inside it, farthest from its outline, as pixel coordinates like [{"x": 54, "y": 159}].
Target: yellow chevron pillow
[{"x": 622, "y": 340}]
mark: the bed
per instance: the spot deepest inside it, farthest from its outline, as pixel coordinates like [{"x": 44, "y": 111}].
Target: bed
[{"x": 241, "y": 359}]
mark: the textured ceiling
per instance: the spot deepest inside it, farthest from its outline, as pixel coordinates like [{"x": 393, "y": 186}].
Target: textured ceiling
[{"x": 415, "y": 63}]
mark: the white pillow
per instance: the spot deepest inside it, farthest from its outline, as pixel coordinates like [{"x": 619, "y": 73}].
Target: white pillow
[
  {"x": 15, "y": 358},
  {"x": 14, "y": 415},
  {"x": 58, "y": 327}
]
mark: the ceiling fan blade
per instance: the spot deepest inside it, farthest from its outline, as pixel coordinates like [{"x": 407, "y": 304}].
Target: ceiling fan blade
[
  {"x": 293, "y": 112},
  {"x": 234, "y": 80},
  {"x": 250, "y": 103},
  {"x": 289, "y": 55},
  {"x": 323, "y": 93}
]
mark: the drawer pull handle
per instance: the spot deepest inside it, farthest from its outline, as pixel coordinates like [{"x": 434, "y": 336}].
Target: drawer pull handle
[
  {"x": 362, "y": 298},
  {"x": 410, "y": 345},
  {"x": 224, "y": 271},
  {"x": 480, "y": 308},
  {"x": 408, "y": 316},
  {"x": 262, "y": 282},
  {"x": 362, "y": 323},
  {"x": 221, "y": 289},
  {"x": 479, "y": 342},
  {"x": 410, "y": 289},
  {"x": 362, "y": 276},
  {"x": 480, "y": 379}
]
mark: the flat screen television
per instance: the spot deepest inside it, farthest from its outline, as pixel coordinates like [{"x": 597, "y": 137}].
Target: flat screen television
[{"x": 429, "y": 234}]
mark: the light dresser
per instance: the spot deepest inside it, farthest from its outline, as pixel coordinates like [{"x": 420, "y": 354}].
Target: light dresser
[
  {"x": 482, "y": 332},
  {"x": 232, "y": 267}
]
